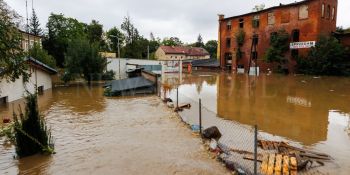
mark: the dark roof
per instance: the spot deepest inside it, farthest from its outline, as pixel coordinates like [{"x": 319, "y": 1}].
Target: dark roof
[
  {"x": 129, "y": 84},
  {"x": 27, "y": 33},
  {"x": 189, "y": 51},
  {"x": 41, "y": 65},
  {"x": 206, "y": 63},
  {"x": 271, "y": 8}
]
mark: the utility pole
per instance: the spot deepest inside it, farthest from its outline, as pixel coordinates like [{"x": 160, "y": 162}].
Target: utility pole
[
  {"x": 118, "y": 49},
  {"x": 148, "y": 51}
]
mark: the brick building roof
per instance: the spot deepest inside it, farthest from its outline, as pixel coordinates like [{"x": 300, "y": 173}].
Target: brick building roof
[{"x": 188, "y": 51}]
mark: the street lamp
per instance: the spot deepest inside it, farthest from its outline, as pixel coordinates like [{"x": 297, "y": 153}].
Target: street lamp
[{"x": 113, "y": 36}]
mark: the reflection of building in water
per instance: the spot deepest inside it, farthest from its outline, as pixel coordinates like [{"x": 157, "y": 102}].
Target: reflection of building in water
[{"x": 263, "y": 102}]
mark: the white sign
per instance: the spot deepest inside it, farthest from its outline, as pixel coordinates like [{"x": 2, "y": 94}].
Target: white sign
[{"x": 302, "y": 45}]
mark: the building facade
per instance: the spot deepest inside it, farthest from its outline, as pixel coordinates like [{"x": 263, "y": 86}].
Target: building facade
[
  {"x": 181, "y": 53},
  {"x": 304, "y": 22},
  {"x": 28, "y": 40}
]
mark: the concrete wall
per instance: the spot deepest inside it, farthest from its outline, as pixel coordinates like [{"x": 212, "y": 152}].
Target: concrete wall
[
  {"x": 15, "y": 90},
  {"x": 292, "y": 17},
  {"x": 113, "y": 64}
]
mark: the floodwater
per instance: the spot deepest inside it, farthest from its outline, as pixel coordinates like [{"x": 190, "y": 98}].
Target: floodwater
[
  {"x": 311, "y": 111},
  {"x": 98, "y": 135}
]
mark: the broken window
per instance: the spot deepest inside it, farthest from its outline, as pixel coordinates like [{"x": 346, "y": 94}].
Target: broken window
[
  {"x": 241, "y": 23},
  {"x": 328, "y": 11},
  {"x": 303, "y": 12},
  {"x": 228, "y": 42},
  {"x": 285, "y": 17},
  {"x": 256, "y": 21},
  {"x": 322, "y": 12},
  {"x": 271, "y": 18},
  {"x": 333, "y": 13},
  {"x": 229, "y": 25}
]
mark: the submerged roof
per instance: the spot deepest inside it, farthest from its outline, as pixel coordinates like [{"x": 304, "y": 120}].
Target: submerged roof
[
  {"x": 129, "y": 84},
  {"x": 41, "y": 65},
  {"x": 206, "y": 63},
  {"x": 190, "y": 51},
  {"x": 271, "y": 8}
]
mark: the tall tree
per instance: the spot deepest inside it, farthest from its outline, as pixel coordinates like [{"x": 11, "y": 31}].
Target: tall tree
[
  {"x": 83, "y": 60},
  {"x": 211, "y": 46},
  {"x": 136, "y": 45},
  {"x": 61, "y": 31},
  {"x": 199, "y": 42},
  {"x": 172, "y": 41},
  {"x": 12, "y": 65},
  {"x": 130, "y": 32},
  {"x": 34, "y": 26},
  {"x": 94, "y": 32}
]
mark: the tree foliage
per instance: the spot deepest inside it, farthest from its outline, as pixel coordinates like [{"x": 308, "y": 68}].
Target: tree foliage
[
  {"x": 61, "y": 31},
  {"x": 34, "y": 26},
  {"x": 40, "y": 54},
  {"x": 172, "y": 41},
  {"x": 199, "y": 42},
  {"x": 94, "y": 32},
  {"x": 12, "y": 65},
  {"x": 328, "y": 57},
  {"x": 83, "y": 60},
  {"x": 211, "y": 46},
  {"x": 112, "y": 35},
  {"x": 240, "y": 38},
  {"x": 279, "y": 45}
]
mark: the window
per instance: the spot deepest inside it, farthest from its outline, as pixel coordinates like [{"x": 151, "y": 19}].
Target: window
[
  {"x": 271, "y": 18},
  {"x": 241, "y": 23},
  {"x": 41, "y": 90},
  {"x": 333, "y": 13},
  {"x": 328, "y": 12},
  {"x": 228, "y": 58},
  {"x": 322, "y": 10},
  {"x": 3, "y": 100},
  {"x": 285, "y": 16},
  {"x": 228, "y": 42},
  {"x": 303, "y": 12},
  {"x": 255, "y": 39},
  {"x": 255, "y": 55},
  {"x": 256, "y": 21},
  {"x": 229, "y": 25}
]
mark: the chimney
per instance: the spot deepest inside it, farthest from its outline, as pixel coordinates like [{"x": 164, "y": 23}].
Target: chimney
[{"x": 221, "y": 17}]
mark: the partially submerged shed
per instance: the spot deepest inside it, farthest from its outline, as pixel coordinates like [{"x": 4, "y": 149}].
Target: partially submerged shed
[{"x": 130, "y": 86}]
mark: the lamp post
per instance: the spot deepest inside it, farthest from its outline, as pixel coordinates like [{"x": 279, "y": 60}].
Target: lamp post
[{"x": 118, "y": 47}]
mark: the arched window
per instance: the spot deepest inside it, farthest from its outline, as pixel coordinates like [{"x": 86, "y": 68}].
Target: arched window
[
  {"x": 333, "y": 13},
  {"x": 328, "y": 11},
  {"x": 322, "y": 12}
]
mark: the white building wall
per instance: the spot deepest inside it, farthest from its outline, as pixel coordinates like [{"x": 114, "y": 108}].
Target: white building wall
[{"x": 16, "y": 90}]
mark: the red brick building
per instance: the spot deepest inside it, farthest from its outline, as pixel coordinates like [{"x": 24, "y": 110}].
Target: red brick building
[{"x": 304, "y": 21}]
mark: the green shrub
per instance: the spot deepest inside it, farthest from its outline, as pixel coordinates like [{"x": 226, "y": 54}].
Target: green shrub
[{"x": 279, "y": 45}]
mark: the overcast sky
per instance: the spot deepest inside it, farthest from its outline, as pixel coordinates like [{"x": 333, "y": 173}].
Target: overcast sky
[{"x": 182, "y": 18}]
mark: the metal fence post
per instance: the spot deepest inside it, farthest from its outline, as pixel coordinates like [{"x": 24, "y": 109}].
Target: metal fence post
[
  {"x": 200, "y": 116},
  {"x": 177, "y": 97},
  {"x": 255, "y": 149}
]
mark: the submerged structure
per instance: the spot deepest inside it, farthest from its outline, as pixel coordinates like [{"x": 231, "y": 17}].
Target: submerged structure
[{"x": 130, "y": 86}]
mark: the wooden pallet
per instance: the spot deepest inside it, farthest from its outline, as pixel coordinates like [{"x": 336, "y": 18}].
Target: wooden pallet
[
  {"x": 277, "y": 164},
  {"x": 268, "y": 145}
]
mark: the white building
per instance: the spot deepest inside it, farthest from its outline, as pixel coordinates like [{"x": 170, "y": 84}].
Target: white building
[{"x": 40, "y": 74}]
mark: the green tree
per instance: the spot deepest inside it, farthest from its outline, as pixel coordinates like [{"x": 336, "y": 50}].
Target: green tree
[
  {"x": 61, "y": 32},
  {"x": 199, "y": 42},
  {"x": 113, "y": 41},
  {"x": 94, "y": 32},
  {"x": 34, "y": 26},
  {"x": 279, "y": 45},
  {"x": 240, "y": 38},
  {"x": 328, "y": 57},
  {"x": 40, "y": 54},
  {"x": 211, "y": 46},
  {"x": 172, "y": 41},
  {"x": 12, "y": 64},
  {"x": 83, "y": 60}
]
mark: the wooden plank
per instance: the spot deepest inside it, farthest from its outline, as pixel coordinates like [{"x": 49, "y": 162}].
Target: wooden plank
[
  {"x": 285, "y": 165},
  {"x": 251, "y": 157},
  {"x": 276, "y": 144},
  {"x": 271, "y": 164},
  {"x": 263, "y": 144},
  {"x": 264, "y": 165},
  {"x": 278, "y": 166},
  {"x": 270, "y": 145},
  {"x": 293, "y": 164}
]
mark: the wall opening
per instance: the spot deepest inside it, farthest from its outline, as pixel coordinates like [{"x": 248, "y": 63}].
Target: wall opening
[
  {"x": 41, "y": 90},
  {"x": 3, "y": 101},
  {"x": 241, "y": 23},
  {"x": 228, "y": 42},
  {"x": 295, "y": 38},
  {"x": 229, "y": 25}
]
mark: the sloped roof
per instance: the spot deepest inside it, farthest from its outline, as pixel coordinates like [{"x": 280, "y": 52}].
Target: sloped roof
[
  {"x": 206, "y": 63},
  {"x": 41, "y": 65},
  {"x": 189, "y": 51},
  {"x": 129, "y": 84}
]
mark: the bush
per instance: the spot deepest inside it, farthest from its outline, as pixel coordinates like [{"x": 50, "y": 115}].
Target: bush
[
  {"x": 328, "y": 57},
  {"x": 109, "y": 75},
  {"x": 279, "y": 45},
  {"x": 31, "y": 133},
  {"x": 41, "y": 55}
]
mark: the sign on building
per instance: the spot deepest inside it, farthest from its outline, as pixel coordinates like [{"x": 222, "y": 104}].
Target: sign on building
[{"x": 302, "y": 45}]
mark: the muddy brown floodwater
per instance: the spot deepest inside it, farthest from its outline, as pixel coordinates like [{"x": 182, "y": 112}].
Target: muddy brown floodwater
[
  {"x": 311, "y": 111},
  {"x": 98, "y": 135}
]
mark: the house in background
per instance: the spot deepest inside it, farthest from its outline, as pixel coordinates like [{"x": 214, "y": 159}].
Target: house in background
[
  {"x": 166, "y": 53},
  {"x": 40, "y": 75},
  {"x": 304, "y": 22}
]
